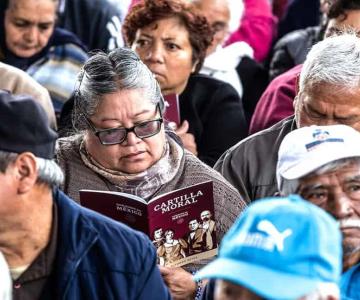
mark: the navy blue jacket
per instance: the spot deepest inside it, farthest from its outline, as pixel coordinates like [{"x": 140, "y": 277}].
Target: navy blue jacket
[{"x": 98, "y": 258}]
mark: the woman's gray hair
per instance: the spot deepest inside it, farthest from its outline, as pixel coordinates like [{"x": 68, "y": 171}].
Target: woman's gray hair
[
  {"x": 292, "y": 186},
  {"x": 49, "y": 172},
  {"x": 102, "y": 74},
  {"x": 335, "y": 60}
]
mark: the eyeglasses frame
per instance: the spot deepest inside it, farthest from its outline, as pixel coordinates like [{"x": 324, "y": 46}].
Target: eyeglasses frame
[{"x": 97, "y": 131}]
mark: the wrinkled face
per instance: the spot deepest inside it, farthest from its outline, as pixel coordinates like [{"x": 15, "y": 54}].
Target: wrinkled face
[
  {"x": 158, "y": 233},
  {"x": 338, "y": 192},
  {"x": 205, "y": 215},
  {"x": 351, "y": 21},
  {"x": 164, "y": 46},
  {"x": 125, "y": 108},
  {"x": 193, "y": 225},
  {"x": 226, "y": 290},
  {"x": 29, "y": 25},
  {"x": 328, "y": 105},
  {"x": 217, "y": 14}
]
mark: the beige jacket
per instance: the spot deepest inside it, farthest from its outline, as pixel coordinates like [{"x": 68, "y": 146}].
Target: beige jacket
[{"x": 18, "y": 82}]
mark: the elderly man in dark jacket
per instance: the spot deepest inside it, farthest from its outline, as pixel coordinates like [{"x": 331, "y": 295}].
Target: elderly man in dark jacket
[
  {"x": 329, "y": 93},
  {"x": 56, "y": 249}
]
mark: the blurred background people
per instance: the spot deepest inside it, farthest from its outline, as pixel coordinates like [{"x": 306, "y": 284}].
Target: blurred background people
[
  {"x": 121, "y": 144},
  {"x": 172, "y": 40},
  {"x": 239, "y": 68},
  {"x": 96, "y": 23},
  {"x": 277, "y": 101},
  {"x": 322, "y": 164},
  {"x": 30, "y": 41},
  {"x": 280, "y": 248}
]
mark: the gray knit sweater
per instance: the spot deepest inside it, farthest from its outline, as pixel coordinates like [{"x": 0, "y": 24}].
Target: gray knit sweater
[{"x": 228, "y": 202}]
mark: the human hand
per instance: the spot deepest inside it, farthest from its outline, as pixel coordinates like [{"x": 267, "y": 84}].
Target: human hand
[
  {"x": 188, "y": 139},
  {"x": 179, "y": 282}
]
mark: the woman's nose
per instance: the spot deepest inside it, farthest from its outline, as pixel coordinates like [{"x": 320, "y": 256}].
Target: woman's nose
[
  {"x": 31, "y": 34},
  {"x": 131, "y": 139},
  {"x": 155, "y": 54}
]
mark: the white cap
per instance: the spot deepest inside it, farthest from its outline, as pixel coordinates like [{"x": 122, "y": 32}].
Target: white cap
[{"x": 304, "y": 150}]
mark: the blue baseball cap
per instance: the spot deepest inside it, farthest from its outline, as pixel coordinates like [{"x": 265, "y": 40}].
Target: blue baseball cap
[{"x": 280, "y": 248}]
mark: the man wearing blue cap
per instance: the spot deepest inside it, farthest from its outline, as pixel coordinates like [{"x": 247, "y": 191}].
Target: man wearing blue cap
[
  {"x": 280, "y": 248},
  {"x": 322, "y": 164},
  {"x": 54, "y": 248}
]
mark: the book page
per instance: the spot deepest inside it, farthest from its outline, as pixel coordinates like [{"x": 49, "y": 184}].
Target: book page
[{"x": 126, "y": 208}]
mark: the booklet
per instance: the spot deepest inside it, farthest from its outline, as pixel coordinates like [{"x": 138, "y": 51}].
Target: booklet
[
  {"x": 172, "y": 112},
  {"x": 180, "y": 223}
]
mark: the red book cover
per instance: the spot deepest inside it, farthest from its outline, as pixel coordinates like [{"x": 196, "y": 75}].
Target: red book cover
[
  {"x": 180, "y": 223},
  {"x": 172, "y": 111}
]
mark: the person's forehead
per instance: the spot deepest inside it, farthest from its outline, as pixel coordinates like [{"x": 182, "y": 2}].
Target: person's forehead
[
  {"x": 349, "y": 171},
  {"x": 332, "y": 93},
  {"x": 215, "y": 10},
  {"x": 350, "y": 20},
  {"x": 26, "y": 8}
]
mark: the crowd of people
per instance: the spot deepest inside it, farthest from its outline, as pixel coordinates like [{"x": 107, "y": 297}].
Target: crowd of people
[{"x": 268, "y": 98}]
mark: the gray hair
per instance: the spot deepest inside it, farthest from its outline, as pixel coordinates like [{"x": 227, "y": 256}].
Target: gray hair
[
  {"x": 292, "y": 186},
  {"x": 102, "y": 74},
  {"x": 49, "y": 172},
  {"x": 334, "y": 60}
]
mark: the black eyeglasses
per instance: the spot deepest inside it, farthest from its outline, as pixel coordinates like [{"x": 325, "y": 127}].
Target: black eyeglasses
[{"x": 113, "y": 136}]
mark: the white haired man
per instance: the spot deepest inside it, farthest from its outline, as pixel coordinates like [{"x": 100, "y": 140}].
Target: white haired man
[
  {"x": 322, "y": 164},
  {"x": 329, "y": 93}
]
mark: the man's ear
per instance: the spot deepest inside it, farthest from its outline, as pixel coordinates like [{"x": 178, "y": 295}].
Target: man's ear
[
  {"x": 296, "y": 99},
  {"x": 26, "y": 171},
  {"x": 194, "y": 66}
]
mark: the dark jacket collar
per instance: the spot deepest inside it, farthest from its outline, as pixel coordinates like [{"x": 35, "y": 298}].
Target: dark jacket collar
[{"x": 76, "y": 235}]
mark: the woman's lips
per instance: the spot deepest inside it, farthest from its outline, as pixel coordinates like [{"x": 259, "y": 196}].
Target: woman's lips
[{"x": 134, "y": 155}]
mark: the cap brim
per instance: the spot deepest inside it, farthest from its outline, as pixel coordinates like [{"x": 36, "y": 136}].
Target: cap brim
[
  {"x": 262, "y": 281},
  {"x": 309, "y": 165}
]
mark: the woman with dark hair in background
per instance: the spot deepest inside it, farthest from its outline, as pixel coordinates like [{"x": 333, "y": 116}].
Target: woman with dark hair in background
[{"x": 172, "y": 40}]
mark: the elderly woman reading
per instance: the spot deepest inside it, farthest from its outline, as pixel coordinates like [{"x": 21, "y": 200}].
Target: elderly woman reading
[{"x": 122, "y": 144}]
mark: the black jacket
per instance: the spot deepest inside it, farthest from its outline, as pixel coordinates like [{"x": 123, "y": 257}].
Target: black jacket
[
  {"x": 250, "y": 166},
  {"x": 291, "y": 50},
  {"x": 215, "y": 114}
]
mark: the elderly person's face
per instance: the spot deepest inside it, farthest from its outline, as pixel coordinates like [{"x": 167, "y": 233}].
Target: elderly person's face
[
  {"x": 327, "y": 104},
  {"x": 351, "y": 20},
  {"x": 164, "y": 46},
  {"x": 29, "y": 25},
  {"x": 217, "y": 14},
  {"x": 226, "y": 290},
  {"x": 338, "y": 192},
  {"x": 126, "y": 108}
]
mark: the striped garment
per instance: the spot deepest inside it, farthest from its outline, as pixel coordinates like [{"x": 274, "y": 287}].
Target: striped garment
[{"x": 57, "y": 71}]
